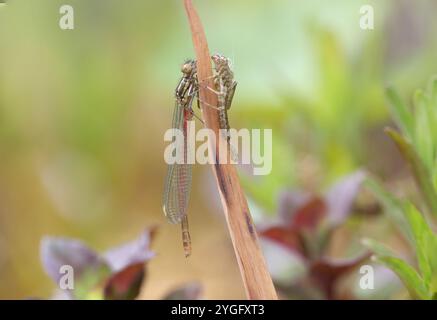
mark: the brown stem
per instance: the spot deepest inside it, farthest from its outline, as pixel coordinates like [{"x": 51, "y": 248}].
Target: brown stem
[{"x": 253, "y": 269}]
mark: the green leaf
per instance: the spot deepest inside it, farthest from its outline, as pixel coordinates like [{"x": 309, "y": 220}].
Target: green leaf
[
  {"x": 432, "y": 256},
  {"x": 392, "y": 206},
  {"x": 408, "y": 276},
  {"x": 378, "y": 248},
  {"x": 425, "y": 245},
  {"x": 421, "y": 234},
  {"x": 400, "y": 112},
  {"x": 423, "y": 139},
  {"x": 421, "y": 174}
]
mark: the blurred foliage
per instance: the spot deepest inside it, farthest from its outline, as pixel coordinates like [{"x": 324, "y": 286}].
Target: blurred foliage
[
  {"x": 117, "y": 274},
  {"x": 306, "y": 227},
  {"x": 422, "y": 284},
  {"x": 417, "y": 143},
  {"x": 83, "y": 112}
]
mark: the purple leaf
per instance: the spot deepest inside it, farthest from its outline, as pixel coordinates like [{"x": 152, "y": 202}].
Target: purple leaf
[
  {"x": 190, "y": 291},
  {"x": 126, "y": 284},
  {"x": 134, "y": 252},
  {"x": 289, "y": 202},
  {"x": 341, "y": 196},
  {"x": 57, "y": 252}
]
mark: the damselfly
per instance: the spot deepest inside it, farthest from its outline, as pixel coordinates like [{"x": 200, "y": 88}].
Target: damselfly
[{"x": 178, "y": 181}]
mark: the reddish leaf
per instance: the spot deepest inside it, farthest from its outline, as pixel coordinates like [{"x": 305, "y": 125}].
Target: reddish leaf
[
  {"x": 325, "y": 272},
  {"x": 286, "y": 237},
  {"x": 309, "y": 215},
  {"x": 126, "y": 284}
]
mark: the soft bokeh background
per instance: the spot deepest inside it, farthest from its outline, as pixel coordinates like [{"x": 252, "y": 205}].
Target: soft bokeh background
[{"x": 83, "y": 113}]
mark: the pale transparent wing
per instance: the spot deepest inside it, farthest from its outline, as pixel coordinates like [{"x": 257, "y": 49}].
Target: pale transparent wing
[
  {"x": 177, "y": 192},
  {"x": 178, "y": 180}
]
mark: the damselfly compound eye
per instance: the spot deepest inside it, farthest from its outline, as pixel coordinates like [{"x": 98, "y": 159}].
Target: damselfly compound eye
[{"x": 186, "y": 68}]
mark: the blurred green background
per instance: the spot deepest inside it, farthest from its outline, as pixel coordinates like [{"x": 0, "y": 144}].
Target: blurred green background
[{"x": 83, "y": 113}]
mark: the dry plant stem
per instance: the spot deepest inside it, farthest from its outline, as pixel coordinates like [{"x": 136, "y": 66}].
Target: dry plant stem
[{"x": 253, "y": 269}]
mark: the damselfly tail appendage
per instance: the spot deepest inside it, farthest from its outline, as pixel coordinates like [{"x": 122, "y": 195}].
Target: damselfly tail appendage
[{"x": 186, "y": 239}]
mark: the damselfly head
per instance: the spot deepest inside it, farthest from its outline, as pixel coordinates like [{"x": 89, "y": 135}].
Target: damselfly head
[{"x": 188, "y": 67}]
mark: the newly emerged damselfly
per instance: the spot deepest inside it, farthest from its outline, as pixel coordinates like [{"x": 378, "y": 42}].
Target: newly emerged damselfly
[{"x": 178, "y": 181}]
